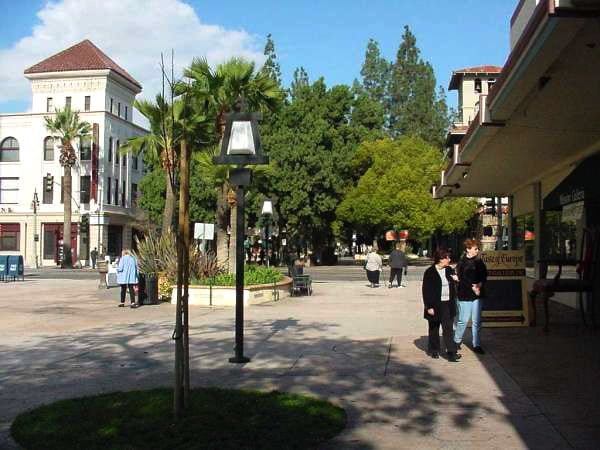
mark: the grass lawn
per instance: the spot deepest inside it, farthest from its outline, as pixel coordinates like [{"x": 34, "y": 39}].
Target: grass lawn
[{"x": 217, "y": 419}]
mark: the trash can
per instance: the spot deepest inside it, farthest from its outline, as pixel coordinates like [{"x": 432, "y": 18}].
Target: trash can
[
  {"x": 3, "y": 267},
  {"x": 150, "y": 289},
  {"x": 102, "y": 271},
  {"x": 15, "y": 267}
]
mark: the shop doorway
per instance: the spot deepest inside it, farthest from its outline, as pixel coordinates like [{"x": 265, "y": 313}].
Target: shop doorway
[
  {"x": 115, "y": 241},
  {"x": 52, "y": 242}
]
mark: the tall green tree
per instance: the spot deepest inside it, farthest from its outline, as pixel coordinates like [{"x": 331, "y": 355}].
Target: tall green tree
[
  {"x": 375, "y": 73},
  {"x": 159, "y": 147},
  {"x": 271, "y": 66},
  {"x": 299, "y": 81},
  {"x": 395, "y": 191},
  {"x": 415, "y": 108},
  {"x": 67, "y": 128}
]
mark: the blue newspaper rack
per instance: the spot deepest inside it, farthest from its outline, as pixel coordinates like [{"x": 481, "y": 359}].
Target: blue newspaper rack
[
  {"x": 15, "y": 267},
  {"x": 3, "y": 267}
]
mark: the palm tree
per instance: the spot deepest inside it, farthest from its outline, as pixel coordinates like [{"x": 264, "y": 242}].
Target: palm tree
[
  {"x": 224, "y": 87},
  {"x": 66, "y": 127},
  {"x": 159, "y": 146}
]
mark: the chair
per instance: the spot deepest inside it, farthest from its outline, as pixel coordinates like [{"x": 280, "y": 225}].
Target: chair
[{"x": 586, "y": 281}]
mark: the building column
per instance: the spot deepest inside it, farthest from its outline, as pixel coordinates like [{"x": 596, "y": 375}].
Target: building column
[{"x": 538, "y": 219}]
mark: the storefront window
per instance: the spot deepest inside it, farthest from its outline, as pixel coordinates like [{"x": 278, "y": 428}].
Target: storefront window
[
  {"x": 524, "y": 237},
  {"x": 9, "y": 237}
]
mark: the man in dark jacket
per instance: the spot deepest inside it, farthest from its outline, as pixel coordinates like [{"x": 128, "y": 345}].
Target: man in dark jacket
[
  {"x": 439, "y": 300},
  {"x": 472, "y": 275},
  {"x": 398, "y": 262}
]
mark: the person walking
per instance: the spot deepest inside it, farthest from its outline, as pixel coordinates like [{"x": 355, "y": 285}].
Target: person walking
[
  {"x": 398, "y": 263},
  {"x": 373, "y": 267},
  {"x": 439, "y": 300},
  {"x": 472, "y": 275},
  {"x": 94, "y": 257},
  {"x": 127, "y": 277}
]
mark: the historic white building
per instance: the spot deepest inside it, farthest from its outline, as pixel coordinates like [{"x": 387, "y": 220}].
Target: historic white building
[{"x": 105, "y": 183}]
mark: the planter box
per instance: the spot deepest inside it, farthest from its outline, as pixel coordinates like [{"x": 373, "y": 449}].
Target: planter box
[{"x": 225, "y": 295}]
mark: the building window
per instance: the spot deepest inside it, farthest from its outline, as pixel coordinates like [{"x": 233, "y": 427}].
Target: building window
[
  {"x": 9, "y": 191},
  {"x": 478, "y": 85},
  {"x": 126, "y": 112},
  {"x": 68, "y": 102},
  {"x": 134, "y": 162},
  {"x": 9, "y": 237},
  {"x": 108, "y": 190},
  {"x": 116, "y": 192},
  {"x": 490, "y": 84},
  {"x": 110, "y": 149},
  {"x": 134, "y": 194},
  {"x": 88, "y": 100},
  {"x": 117, "y": 154},
  {"x": 85, "y": 148},
  {"x": 123, "y": 192},
  {"x": 111, "y": 105},
  {"x": 49, "y": 149},
  {"x": 84, "y": 188},
  {"x": 49, "y": 104},
  {"x": 9, "y": 150},
  {"x": 119, "y": 109},
  {"x": 48, "y": 191}
]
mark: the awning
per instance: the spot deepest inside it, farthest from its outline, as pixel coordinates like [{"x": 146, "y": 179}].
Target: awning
[{"x": 581, "y": 184}]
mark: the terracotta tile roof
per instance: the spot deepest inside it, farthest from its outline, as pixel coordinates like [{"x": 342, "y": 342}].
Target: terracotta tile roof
[
  {"x": 458, "y": 74},
  {"x": 82, "y": 56}
]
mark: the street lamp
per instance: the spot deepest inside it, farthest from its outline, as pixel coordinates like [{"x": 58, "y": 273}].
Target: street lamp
[
  {"x": 35, "y": 204},
  {"x": 267, "y": 212},
  {"x": 241, "y": 146}
]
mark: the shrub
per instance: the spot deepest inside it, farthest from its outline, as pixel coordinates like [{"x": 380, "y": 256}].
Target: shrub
[{"x": 253, "y": 275}]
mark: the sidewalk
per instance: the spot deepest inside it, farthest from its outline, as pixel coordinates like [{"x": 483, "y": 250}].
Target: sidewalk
[{"x": 359, "y": 347}]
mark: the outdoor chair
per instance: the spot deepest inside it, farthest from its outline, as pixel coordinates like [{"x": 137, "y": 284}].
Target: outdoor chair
[{"x": 585, "y": 283}]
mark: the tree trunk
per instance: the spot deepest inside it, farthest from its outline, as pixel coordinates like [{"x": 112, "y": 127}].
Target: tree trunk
[
  {"x": 67, "y": 260},
  {"x": 181, "y": 393},
  {"x": 167, "y": 221},
  {"x": 222, "y": 218}
]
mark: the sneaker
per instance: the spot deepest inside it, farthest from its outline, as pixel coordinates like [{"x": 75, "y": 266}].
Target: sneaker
[
  {"x": 453, "y": 356},
  {"x": 478, "y": 350},
  {"x": 401, "y": 286},
  {"x": 434, "y": 355},
  {"x": 121, "y": 305},
  {"x": 134, "y": 305},
  {"x": 390, "y": 286}
]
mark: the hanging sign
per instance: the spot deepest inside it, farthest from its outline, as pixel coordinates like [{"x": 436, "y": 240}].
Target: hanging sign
[{"x": 505, "y": 292}]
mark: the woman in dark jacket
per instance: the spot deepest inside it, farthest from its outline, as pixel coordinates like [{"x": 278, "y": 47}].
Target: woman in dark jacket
[{"x": 439, "y": 299}]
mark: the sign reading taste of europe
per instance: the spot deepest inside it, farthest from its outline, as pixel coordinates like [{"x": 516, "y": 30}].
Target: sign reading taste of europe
[{"x": 505, "y": 302}]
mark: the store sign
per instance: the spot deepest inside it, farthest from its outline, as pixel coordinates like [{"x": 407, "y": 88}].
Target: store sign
[
  {"x": 572, "y": 213},
  {"x": 505, "y": 300}
]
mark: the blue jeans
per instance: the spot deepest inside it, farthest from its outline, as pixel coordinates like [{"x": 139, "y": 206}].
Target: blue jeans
[{"x": 468, "y": 310}]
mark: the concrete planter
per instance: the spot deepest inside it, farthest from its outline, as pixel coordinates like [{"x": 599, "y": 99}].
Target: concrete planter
[{"x": 225, "y": 295}]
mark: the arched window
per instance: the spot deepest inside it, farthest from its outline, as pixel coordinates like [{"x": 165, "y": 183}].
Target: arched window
[
  {"x": 49, "y": 149},
  {"x": 9, "y": 150}
]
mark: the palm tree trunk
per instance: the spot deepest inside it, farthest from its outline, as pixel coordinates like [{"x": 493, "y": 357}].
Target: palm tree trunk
[
  {"x": 167, "y": 221},
  {"x": 222, "y": 217},
  {"x": 67, "y": 260}
]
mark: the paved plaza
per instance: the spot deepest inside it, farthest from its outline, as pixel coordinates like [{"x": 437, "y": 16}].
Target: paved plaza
[{"x": 359, "y": 347}]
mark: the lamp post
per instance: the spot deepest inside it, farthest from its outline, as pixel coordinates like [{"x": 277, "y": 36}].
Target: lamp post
[
  {"x": 35, "y": 204},
  {"x": 240, "y": 147},
  {"x": 267, "y": 212}
]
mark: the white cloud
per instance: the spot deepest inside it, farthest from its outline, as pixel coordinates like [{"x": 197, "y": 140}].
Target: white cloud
[{"x": 132, "y": 32}]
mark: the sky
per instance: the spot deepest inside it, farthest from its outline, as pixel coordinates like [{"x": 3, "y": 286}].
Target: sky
[{"x": 328, "y": 38}]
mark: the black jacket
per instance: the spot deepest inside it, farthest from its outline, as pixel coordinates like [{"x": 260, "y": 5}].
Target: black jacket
[
  {"x": 398, "y": 259},
  {"x": 432, "y": 292},
  {"x": 470, "y": 271}
]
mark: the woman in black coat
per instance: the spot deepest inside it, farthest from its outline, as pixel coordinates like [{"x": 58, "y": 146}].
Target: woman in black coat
[{"x": 439, "y": 299}]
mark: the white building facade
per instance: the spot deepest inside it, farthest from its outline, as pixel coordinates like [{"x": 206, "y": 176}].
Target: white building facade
[{"x": 105, "y": 182}]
